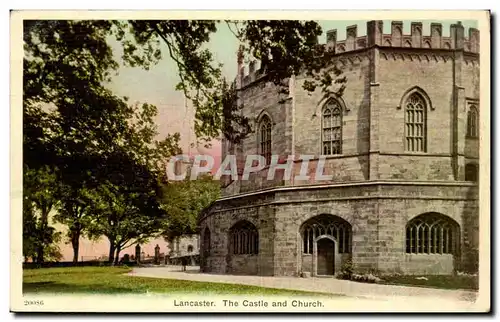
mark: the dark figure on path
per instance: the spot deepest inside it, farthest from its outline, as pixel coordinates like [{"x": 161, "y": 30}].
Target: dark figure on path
[{"x": 184, "y": 263}]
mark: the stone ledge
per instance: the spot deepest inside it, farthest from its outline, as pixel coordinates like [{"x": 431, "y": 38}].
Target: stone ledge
[{"x": 351, "y": 184}]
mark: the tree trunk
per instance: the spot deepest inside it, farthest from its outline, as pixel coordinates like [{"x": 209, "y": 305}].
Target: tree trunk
[
  {"x": 75, "y": 242},
  {"x": 111, "y": 254},
  {"x": 39, "y": 254},
  {"x": 117, "y": 258},
  {"x": 44, "y": 218}
]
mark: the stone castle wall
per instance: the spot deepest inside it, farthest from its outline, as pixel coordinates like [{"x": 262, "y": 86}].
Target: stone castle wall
[
  {"x": 378, "y": 78},
  {"x": 377, "y": 186},
  {"x": 187, "y": 245},
  {"x": 377, "y": 212}
]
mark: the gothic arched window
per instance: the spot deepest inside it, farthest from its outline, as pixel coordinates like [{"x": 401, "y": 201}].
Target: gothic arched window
[
  {"x": 244, "y": 238},
  {"x": 432, "y": 234},
  {"x": 415, "y": 124},
  {"x": 330, "y": 225},
  {"x": 332, "y": 128},
  {"x": 472, "y": 122},
  {"x": 265, "y": 128}
]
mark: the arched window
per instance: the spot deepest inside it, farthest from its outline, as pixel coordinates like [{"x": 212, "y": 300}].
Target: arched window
[
  {"x": 332, "y": 128},
  {"x": 471, "y": 172},
  {"x": 472, "y": 122},
  {"x": 244, "y": 238},
  {"x": 432, "y": 234},
  {"x": 265, "y": 138},
  {"x": 329, "y": 225},
  {"x": 190, "y": 248},
  {"x": 415, "y": 123},
  {"x": 206, "y": 242}
]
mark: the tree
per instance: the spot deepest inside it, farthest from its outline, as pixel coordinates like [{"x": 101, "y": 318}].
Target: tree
[
  {"x": 183, "y": 201},
  {"x": 40, "y": 189},
  {"x": 39, "y": 239},
  {"x": 76, "y": 125},
  {"x": 75, "y": 214},
  {"x": 126, "y": 201},
  {"x": 126, "y": 209},
  {"x": 122, "y": 220}
]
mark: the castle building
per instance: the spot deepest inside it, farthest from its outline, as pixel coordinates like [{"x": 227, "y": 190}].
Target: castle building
[
  {"x": 401, "y": 144},
  {"x": 184, "y": 247}
]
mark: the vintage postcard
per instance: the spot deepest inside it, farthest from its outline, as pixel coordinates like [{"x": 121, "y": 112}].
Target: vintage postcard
[{"x": 326, "y": 161}]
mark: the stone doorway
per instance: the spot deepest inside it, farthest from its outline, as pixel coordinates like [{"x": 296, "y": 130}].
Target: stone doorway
[{"x": 325, "y": 257}]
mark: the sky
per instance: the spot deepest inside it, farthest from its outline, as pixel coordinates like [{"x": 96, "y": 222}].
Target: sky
[{"x": 157, "y": 86}]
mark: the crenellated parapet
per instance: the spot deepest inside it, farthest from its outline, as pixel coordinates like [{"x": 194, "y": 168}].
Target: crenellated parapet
[
  {"x": 416, "y": 39},
  {"x": 249, "y": 73}
]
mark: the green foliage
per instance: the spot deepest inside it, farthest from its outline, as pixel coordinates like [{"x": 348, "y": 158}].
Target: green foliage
[
  {"x": 41, "y": 188},
  {"x": 235, "y": 126},
  {"x": 125, "y": 214},
  {"x": 286, "y": 48},
  {"x": 183, "y": 201},
  {"x": 77, "y": 127},
  {"x": 29, "y": 233},
  {"x": 125, "y": 204},
  {"x": 346, "y": 270},
  {"x": 39, "y": 240},
  {"x": 74, "y": 213},
  {"x": 40, "y": 196}
]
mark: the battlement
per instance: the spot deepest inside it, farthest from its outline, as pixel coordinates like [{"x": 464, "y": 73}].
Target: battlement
[
  {"x": 247, "y": 74},
  {"x": 396, "y": 38},
  {"x": 375, "y": 37}
]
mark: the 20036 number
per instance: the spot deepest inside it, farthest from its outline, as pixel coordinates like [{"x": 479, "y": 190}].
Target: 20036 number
[{"x": 33, "y": 302}]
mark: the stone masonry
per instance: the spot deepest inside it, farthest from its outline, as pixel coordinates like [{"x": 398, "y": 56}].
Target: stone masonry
[{"x": 378, "y": 187}]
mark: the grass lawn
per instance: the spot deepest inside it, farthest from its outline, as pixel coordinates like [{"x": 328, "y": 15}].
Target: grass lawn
[
  {"x": 436, "y": 281},
  {"x": 111, "y": 280}
]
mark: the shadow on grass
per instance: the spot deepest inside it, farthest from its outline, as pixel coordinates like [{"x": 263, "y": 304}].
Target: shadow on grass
[
  {"x": 58, "y": 287},
  {"x": 469, "y": 283}
]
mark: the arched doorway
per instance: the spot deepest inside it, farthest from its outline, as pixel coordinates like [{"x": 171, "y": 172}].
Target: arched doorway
[
  {"x": 325, "y": 242},
  {"x": 326, "y": 256}
]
